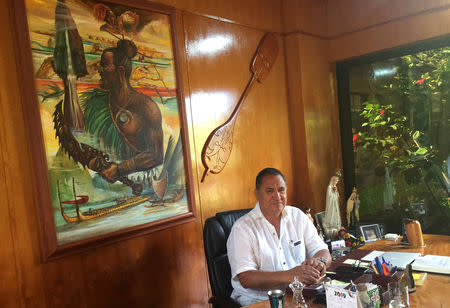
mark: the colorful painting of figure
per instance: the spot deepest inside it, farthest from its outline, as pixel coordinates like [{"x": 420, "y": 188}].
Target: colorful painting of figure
[{"x": 107, "y": 94}]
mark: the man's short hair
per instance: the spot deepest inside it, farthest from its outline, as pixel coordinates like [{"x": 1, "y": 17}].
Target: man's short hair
[{"x": 268, "y": 171}]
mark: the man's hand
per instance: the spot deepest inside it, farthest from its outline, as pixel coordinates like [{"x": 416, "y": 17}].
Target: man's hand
[
  {"x": 306, "y": 273},
  {"x": 317, "y": 264},
  {"x": 110, "y": 174}
]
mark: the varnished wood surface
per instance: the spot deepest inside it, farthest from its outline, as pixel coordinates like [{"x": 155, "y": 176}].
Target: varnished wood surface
[
  {"x": 349, "y": 16},
  {"x": 314, "y": 119},
  {"x": 430, "y": 23},
  {"x": 167, "y": 268},
  {"x": 257, "y": 14},
  {"x": 436, "y": 289},
  {"x": 217, "y": 77},
  {"x": 305, "y": 16}
]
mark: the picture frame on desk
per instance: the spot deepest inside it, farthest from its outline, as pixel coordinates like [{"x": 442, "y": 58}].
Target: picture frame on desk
[
  {"x": 106, "y": 120},
  {"x": 370, "y": 233},
  {"x": 381, "y": 226}
]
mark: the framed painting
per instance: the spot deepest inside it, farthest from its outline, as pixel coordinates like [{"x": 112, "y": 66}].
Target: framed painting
[{"x": 107, "y": 124}]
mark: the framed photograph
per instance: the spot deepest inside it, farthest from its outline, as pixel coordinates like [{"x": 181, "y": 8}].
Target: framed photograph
[
  {"x": 370, "y": 232},
  {"x": 106, "y": 119}
]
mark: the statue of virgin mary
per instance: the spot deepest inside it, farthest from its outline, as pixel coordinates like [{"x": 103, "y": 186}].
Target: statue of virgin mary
[{"x": 332, "y": 219}]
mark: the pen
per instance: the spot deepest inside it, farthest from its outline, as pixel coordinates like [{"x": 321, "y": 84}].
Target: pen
[
  {"x": 375, "y": 269},
  {"x": 385, "y": 270},
  {"x": 378, "y": 263}
]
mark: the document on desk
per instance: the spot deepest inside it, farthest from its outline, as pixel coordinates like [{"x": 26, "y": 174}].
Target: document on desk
[
  {"x": 371, "y": 256},
  {"x": 432, "y": 264},
  {"x": 399, "y": 259}
]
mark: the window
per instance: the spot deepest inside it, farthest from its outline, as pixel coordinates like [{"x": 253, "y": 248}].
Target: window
[{"x": 395, "y": 130}]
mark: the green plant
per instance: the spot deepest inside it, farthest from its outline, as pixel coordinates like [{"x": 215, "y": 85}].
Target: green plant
[{"x": 388, "y": 140}]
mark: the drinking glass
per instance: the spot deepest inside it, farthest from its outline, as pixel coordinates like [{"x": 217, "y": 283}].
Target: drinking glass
[
  {"x": 398, "y": 295},
  {"x": 276, "y": 298}
]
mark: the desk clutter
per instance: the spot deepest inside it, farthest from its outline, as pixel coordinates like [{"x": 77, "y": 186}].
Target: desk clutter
[
  {"x": 358, "y": 287},
  {"x": 365, "y": 278}
]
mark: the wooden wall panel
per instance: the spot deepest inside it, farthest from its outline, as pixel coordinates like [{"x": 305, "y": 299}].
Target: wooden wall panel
[
  {"x": 305, "y": 16},
  {"x": 17, "y": 204},
  {"x": 258, "y": 14},
  {"x": 217, "y": 77},
  {"x": 322, "y": 139},
  {"x": 314, "y": 117},
  {"x": 347, "y": 16},
  {"x": 407, "y": 30},
  {"x": 302, "y": 185},
  {"x": 9, "y": 292},
  {"x": 166, "y": 268},
  {"x": 299, "y": 136}
]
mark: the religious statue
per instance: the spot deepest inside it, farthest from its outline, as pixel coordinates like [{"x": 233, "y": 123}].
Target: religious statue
[
  {"x": 332, "y": 219},
  {"x": 308, "y": 213},
  {"x": 353, "y": 207}
]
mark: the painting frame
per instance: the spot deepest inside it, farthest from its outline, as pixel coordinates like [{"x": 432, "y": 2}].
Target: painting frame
[{"x": 50, "y": 248}]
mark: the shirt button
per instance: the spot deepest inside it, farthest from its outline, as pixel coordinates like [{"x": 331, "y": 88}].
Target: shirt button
[{"x": 284, "y": 263}]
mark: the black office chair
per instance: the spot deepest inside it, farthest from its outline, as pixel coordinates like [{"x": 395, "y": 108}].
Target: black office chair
[
  {"x": 318, "y": 217},
  {"x": 215, "y": 235}
]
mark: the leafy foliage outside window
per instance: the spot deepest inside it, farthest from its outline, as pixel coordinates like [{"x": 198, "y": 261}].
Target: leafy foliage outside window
[{"x": 401, "y": 140}]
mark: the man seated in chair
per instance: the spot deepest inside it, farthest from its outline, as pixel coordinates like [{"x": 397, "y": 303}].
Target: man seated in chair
[{"x": 273, "y": 243}]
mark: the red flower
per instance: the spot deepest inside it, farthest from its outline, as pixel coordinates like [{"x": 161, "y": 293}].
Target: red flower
[
  {"x": 381, "y": 112},
  {"x": 421, "y": 81},
  {"x": 348, "y": 244},
  {"x": 355, "y": 137}
]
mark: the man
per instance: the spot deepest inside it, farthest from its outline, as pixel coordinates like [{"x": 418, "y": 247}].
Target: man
[{"x": 273, "y": 243}]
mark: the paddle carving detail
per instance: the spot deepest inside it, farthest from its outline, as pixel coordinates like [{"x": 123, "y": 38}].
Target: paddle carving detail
[{"x": 217, "y": 148}]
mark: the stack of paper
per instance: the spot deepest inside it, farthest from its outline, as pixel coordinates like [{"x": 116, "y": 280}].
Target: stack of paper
[
  {"x": 399, "y": 259},
  {"x": 432, "y": 264}
]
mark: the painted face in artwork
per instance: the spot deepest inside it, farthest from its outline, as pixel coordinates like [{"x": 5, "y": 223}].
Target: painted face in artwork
[
  {"x": 108, "y": 72},
  {"x": 271, "y": 195}
]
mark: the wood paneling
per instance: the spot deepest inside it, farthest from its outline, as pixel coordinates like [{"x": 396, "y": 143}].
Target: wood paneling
[
  {"x": 347, "y": 16},
  {"x": 258, "y": 14},
  {"x": 17, "y": 200},
  {"x": 165, "y": 268},
  {"x": 299, "y": 136},
  {"x": 302, "y": 185},
  {"x": 407, "y": 30},
  {"x": 219, "y": 56},
  {"x": 305, "y": 16},
  {"x": 313, "y": 116}
]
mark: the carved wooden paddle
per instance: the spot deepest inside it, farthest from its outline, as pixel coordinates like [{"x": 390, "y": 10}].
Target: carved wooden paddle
[{"x": 217, "y": 148}]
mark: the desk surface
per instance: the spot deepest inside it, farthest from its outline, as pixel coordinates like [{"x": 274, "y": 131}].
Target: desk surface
[{"x": 435, "y": 292}]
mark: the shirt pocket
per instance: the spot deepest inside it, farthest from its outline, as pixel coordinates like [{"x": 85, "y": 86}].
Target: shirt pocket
[{"x": 297, "y": 248}]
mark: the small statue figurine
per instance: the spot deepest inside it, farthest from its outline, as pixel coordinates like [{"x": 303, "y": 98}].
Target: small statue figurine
[
  {"x": 298, "y": 301},
  {"x": 353, "y": 208},
  {"x": 332, "y": 219},
  {"x": 308, "y": 213}
]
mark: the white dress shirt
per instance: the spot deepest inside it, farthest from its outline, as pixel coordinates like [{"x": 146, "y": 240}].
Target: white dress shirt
[{"x": 253, "y": 244}]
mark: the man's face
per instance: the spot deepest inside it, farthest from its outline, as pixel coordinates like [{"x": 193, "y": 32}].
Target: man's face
[
  {"x": 271, "y": 195},
  {"x": 108, "y": 71}
]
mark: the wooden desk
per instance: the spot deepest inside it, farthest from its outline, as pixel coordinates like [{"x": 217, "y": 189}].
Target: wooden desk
[{"x": 435, "y": 292}]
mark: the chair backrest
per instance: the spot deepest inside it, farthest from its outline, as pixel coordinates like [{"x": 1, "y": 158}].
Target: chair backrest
[{"x": 215, "y": 236}]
